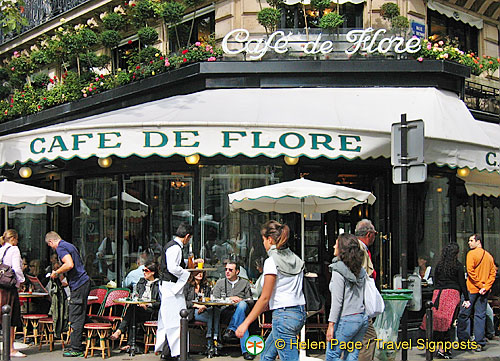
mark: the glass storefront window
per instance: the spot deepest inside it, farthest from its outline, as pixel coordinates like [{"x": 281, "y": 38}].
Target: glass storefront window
[
  {"x": 30, "y": 222},
  {"x": 491, "y": 226},
  {"x": 227, "y": 235},
  {"x": 436, "y": 219},
  {"x": 94, "y": 227}
]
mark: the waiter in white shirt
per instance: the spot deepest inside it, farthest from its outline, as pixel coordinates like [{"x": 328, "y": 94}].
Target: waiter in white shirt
[{"x": 173, "y": 277}]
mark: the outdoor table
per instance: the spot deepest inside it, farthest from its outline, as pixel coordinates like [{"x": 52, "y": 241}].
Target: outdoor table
[
  {"x": 213, "y": 303},
  {"x": 132, "y": 327},
  {"x": 32, "y": 295}
]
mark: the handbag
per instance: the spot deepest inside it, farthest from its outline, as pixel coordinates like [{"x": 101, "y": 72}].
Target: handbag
[
  {"x": 311, "y": 293},
  {"x": 8, "y": 278},
  {"x": 374, "y": 303}
]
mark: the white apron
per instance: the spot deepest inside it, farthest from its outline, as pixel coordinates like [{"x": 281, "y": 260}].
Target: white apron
[{"x": 169, "y": 319}]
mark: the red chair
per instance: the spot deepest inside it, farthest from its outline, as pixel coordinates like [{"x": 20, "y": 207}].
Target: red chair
[
  {"x": 95, "y": 305},
  {"x": 112, "y": 311}
]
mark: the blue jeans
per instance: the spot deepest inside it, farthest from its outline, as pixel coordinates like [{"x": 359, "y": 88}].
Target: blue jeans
[
  {"x": 350, "y": 328},
  {"x": 239, "y": 315},
  {"x": 478, "y": 305},
  {"x": 287, "y": 323},
  {"x": 211, "y": 316}
]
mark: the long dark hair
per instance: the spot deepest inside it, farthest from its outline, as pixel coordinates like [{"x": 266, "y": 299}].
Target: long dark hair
[
  {"x": 448, "y": 262},
  {"x": 277, "y": 231},
  {"x": 203, "y": 281},
  {"x": 350, "y": 253}
]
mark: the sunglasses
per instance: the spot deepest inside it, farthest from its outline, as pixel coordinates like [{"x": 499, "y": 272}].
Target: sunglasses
[
  {"x": 146, "y": 270},
  {"x": 230, "y": 269}
]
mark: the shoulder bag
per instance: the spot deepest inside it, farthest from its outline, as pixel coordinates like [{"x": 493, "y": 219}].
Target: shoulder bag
[
  {"x": 8, "y": 278},
  {"x": 311, "y": 293},
  {"x": 374, "y": 303}
]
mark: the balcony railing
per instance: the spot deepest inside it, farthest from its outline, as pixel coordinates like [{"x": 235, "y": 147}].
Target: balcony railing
[
  {"x": 483, "y": 98},
  {"x": 40, "y": 11}
]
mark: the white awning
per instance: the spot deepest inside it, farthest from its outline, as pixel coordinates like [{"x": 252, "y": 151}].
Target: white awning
[
  {"x": 455, "y": 14},
  {"x": 482, "y": 183},
  {"x": 350, "y": 123}
]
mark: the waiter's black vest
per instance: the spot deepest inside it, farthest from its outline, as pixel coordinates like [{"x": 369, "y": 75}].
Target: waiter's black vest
[{"x": 165, "y": 275}]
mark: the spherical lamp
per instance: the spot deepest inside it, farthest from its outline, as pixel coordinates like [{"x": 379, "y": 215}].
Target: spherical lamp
[
  {"x": 105, "y": 162},
  {"x": 291, "y": 160},
  {"x": 463, "y": 172},
  {"x": 25, "y": 172},
  {"x": 192, "y": 159}
]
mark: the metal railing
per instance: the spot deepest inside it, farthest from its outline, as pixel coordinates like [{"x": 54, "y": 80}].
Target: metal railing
[
  {"x": 38, "y": 12},
  {"x": 482, "y": 97}
]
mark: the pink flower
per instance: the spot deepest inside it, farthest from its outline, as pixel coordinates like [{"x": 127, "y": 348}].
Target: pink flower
[
  {"x": 441, "y": 43},
  {"x": 167, "y": 63},
  {"x": 212, "y": 58},
  {"x": 17, "y": 54},
  {"x": 197, "y": 43},
  {"x": 84, "y": 95},
  {"x": 445, "y": 55},
  {"x": 208, "y": 47},
  {"x": 420, "y": 59},
  {"x": 429, "y": 46}
]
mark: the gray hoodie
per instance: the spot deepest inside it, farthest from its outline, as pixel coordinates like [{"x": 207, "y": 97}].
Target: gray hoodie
[{"x": 347, "y": 291}]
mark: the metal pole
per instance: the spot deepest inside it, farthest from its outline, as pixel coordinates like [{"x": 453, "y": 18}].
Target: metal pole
[
  {"x": 6, "y": 332},
  {"x": 184, "y": 335},
  {"x": 428, "y": 328},
  {"x": 403, "y": 224}
]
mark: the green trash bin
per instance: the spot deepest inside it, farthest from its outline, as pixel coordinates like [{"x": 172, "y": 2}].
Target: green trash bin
[{"x": 387, "y": 324}]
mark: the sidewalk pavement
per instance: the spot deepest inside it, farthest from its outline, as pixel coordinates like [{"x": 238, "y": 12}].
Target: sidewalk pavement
[{"x": 490, "y": 353}]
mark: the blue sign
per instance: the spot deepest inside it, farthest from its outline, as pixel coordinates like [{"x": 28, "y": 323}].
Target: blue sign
[{"x": 418, "y": 29}]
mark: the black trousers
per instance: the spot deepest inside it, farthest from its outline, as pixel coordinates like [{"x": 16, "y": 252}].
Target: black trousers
[{"x": 77, "y": 310}]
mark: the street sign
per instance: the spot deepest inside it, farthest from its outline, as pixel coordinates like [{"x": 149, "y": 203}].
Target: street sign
[
  {"x": 417, "y": 173},
  {"x": 415, "y": 143}
]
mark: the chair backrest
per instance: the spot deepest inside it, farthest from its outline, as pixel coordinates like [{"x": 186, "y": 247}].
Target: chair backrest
[
  {"x": 100, "y": 292},
  {"x": 111, "y": 296}
]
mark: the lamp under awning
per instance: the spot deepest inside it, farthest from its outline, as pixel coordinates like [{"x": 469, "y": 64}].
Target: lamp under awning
[{"x": 349, "y": 123}]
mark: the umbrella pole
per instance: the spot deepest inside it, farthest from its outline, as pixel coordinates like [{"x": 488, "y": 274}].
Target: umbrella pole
[
  {"x": 6, "y": 217},
  {"x": 302, "y": 352}
]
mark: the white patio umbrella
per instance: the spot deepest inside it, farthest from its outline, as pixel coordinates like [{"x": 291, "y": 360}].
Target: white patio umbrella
[
  {"x": 300, "y": 196},
  {"x": 16, "y": 194}
]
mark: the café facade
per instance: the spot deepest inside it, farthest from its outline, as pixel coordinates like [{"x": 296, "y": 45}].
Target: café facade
[{"x": 141, "y": 158}]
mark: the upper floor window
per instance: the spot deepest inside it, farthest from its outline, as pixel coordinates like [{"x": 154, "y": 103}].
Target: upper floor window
[
  {"x": 200, "y": 30},
  {"x": 443, "y": 27},
  {"x": 294, "y": 16}
]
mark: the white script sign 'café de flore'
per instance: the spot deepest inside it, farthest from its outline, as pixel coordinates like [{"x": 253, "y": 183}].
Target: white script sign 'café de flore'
[{"x": 367, "y": 41}]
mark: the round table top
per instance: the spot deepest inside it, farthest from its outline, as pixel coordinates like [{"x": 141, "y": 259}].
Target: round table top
[
  {"x": 214, "y": 303},
  {"x": 32, "y": 294},
  {"x": 132, "y": 301}
]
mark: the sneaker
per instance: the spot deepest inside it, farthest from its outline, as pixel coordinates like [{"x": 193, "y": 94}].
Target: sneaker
[
  {"x": 479, "y": 348},
  {"x": 443, "y": 355},
  {"x": 70, "y": 353}
]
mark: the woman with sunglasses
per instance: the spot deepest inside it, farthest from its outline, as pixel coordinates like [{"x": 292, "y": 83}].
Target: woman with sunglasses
[
  {"x": 147, "y": 288},
  {"x": 282, "y": 290},
  {"x": 197, "y": 285}
]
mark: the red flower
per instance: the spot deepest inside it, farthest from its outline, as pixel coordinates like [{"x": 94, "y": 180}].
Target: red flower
[
  {"x": 184, "y": 60},
  {"x": 44, "y": 98},
  {"x": 11, "y": 106},
  {"x": 130, "y": 41},
  {"x": 52, "y": 81},
  {"x": 55, "y": 77},
  {"x": 185, "y": 51},
  {"x": 137, "y": 67},
  {"x": 22, "y": 95},
  {"x": 39, "y": 107},
  {"x": 101, "y": 76},
  {"x": 132, "y": 5},
  {"x": 12, "y": 100}
]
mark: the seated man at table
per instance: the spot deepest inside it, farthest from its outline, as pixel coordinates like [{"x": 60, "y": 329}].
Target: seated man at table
[
  {"x": 238, "y": 290},
  {"x": 147, "y": 288}
]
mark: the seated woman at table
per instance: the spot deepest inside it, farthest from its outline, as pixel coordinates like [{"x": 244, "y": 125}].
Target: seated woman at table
[
  {"x": 147, "y": 288},
  {"x": 196, "y": 285}
]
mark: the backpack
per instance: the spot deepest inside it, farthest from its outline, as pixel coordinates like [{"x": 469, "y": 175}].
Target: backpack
[{"x": 8, "y": 278}]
